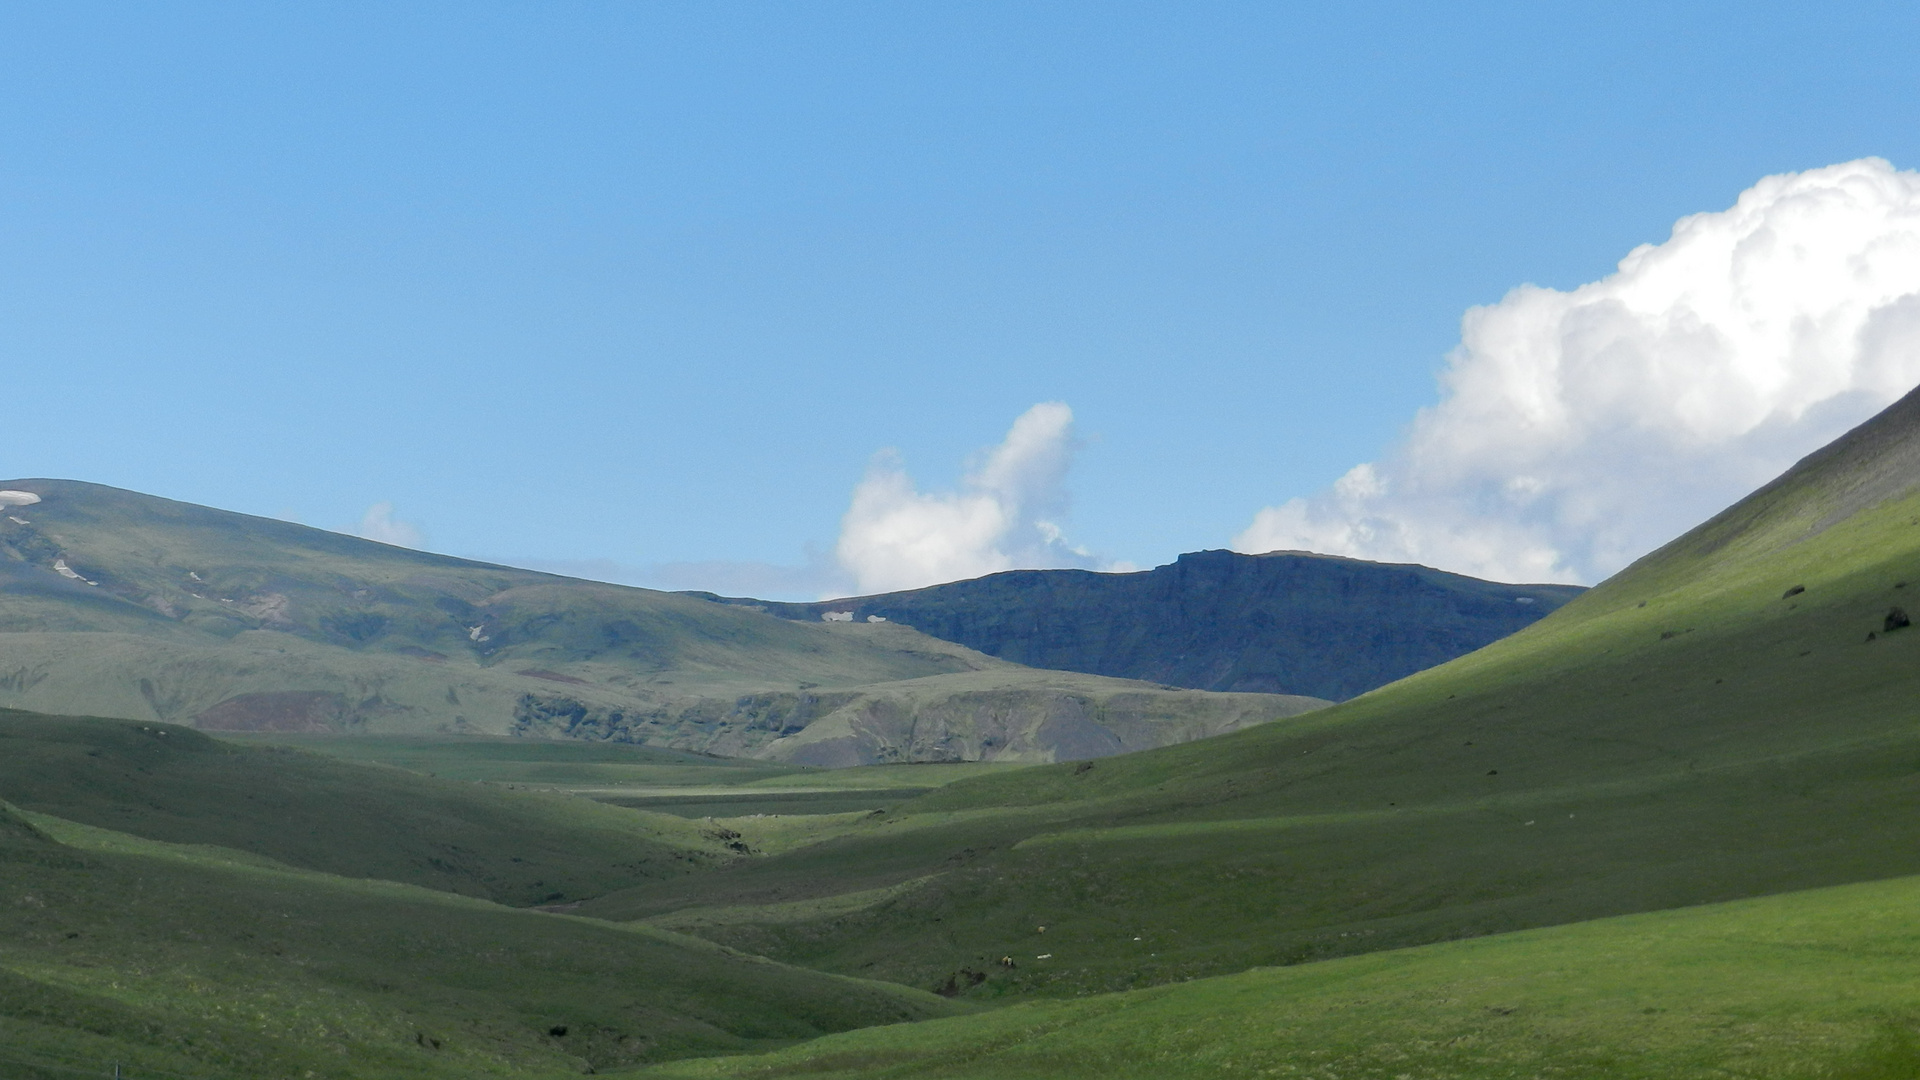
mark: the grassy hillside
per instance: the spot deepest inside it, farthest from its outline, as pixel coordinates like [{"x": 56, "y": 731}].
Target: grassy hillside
[
  {"x": 178, "y": 785},
  {"x": 1730, "y": 717},
  {"x": 1284, "y": 622},
  {"x": 198, "y": 961},
  {"x": 1018, "y": 715},
  {"x": 1817, "y": 984},
  {"x": 114, "y": 603},
  {"x": 549, "y": 763},
  {"x": 645, "y": 777}
]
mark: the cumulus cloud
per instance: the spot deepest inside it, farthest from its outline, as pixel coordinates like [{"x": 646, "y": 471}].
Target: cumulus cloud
[
  {"x": 1006, "y": 515},
  {"x": 378, "y": 523},
  {"x": 1578, "y": 430}
]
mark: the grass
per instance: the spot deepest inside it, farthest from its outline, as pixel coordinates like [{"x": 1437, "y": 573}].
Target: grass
[
  {"x": 643, "y": 777},
  {"x": 180, "y": 786},
  {"x": 193, "y": 960},
  {"x": 1687, "y": 733},
  {"x": 549, "y": 763},
  {"x": 189, "y": 615},
  {"x": 1539, "y": 860},
  {"x": 1823, "y": 983},
  {"x": 1010, "y": 714}
]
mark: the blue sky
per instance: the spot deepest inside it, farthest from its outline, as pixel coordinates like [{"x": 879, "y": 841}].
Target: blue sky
[{"x": 621, "y": 285}]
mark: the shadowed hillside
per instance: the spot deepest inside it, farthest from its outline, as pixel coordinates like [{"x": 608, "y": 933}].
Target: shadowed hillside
[
  {"x": 1287, "y": 622},
  {"x": 178, "y": 785},
  {"x": 199, "y": 961}
]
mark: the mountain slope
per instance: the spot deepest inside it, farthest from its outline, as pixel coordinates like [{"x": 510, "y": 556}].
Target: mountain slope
[
  {"x": 114, "y": 603},
  {"x": 1734, "y": 715},
  {"x": 1285, "y": 622}
]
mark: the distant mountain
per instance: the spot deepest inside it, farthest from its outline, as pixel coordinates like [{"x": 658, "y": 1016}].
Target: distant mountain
[
  {"x": 1287, "y": 622},
  {"x": 118, "y": 604}
]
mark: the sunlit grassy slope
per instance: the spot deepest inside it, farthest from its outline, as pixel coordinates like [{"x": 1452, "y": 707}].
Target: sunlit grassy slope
[
  {"x": 203, "y": 962},
  {"x": 1730, "y": 717},
  {"x": 1818, "y": 984},
  {"x": 114, "y": 603}
]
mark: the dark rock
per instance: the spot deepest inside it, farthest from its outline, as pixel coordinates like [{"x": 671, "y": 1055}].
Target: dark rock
[
  {"x": 1896, "y": 620},
  {"x": 1795, "y": 591},
  {"x": 962, "y": 980}
]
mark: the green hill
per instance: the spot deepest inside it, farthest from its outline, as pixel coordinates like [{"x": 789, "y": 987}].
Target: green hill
[
  {"x": 199, "y": 961},
  {"x": 1817, "y": 984},
  {"x": 177, "y": 785},
  {"x": 1284, "y": 622},
  {"x": 114, "y": 603},
  {"x": 1733, "y": 716}
]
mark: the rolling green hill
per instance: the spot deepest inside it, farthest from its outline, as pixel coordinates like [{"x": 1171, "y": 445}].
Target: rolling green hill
[
  {"x": 196, "y": 961},
  {"x": 114, "y": 603},
  {"x": 1819, "y": 984},
  {"x": 1284, "y": 622},
  {"x": 177, "y": 785},
  {"x": 1733, "y": 716}
]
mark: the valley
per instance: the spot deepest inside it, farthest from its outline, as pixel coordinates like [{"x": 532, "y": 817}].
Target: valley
[{"x": 1668, "y": 830}]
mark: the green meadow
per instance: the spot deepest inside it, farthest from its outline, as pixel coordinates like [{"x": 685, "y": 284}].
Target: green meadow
[
  {"x": 644, "y": 777},
  {"x": 1824, "y": 983},
  {"x": 177, "y": 785},
  {"x": 202, "y": 961},
  {"x": 1672, "y": 830}
]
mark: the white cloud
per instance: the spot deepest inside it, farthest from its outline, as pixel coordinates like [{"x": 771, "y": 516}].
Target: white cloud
[
  {"x": 378, "y": 523},
  {"x": 1579, "y": 430},
  {"x": 1006, "y": 515}
]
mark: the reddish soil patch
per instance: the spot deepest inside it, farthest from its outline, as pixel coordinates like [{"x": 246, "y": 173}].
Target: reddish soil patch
[{"x": 293, "y": 710}]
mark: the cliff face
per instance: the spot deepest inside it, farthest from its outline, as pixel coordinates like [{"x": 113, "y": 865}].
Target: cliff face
[{"x": 1285, "y": 622}]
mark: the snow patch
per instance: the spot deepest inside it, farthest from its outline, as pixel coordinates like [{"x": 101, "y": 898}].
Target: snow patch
[{"x": 60, "y": 567}]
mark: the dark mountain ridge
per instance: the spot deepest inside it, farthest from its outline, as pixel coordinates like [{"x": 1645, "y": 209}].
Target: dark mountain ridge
[{"x": 1287, "y": 622}]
